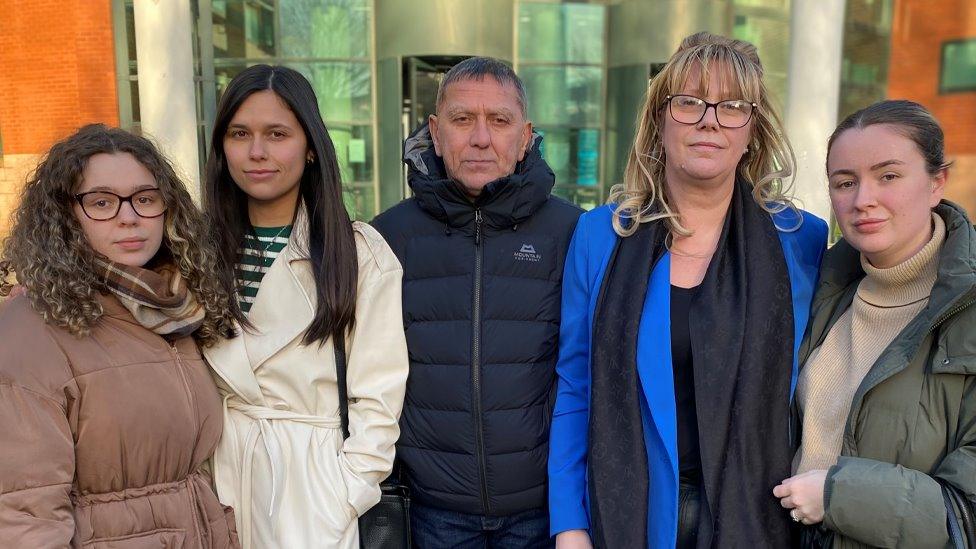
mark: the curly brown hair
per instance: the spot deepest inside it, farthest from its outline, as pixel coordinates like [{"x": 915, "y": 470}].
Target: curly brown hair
[{"x": 51, "y": 258}]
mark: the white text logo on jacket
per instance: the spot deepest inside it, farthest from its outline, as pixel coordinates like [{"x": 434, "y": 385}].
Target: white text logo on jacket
[{"x": 527, "y": 253}]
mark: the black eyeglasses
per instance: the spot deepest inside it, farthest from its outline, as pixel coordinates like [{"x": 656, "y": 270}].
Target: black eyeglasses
[
  {"x": 103, "y": 205},
  {"x": 731, "y": 113}
]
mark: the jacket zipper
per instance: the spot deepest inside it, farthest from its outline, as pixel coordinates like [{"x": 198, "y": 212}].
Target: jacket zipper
[
  {"x": 201, "y": 521},
  {"x": 476, "y": 364},
  {"x": 849, "y": 429},
  {"x": 951, "y": 313},
  {"x": 186, "y": 386}
]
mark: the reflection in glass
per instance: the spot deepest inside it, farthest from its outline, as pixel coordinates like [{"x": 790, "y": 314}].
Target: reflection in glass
[
  {"x": 584, "y": 197},
  {"x": 243, "y": 29},
  {"x": 330, "y": 29},
  {"x": 573, "y": 154},
  {"x": 866, "y": 48},
  {"x": 354, "y": 151},
  {"x": 343, "y": 89},
  {"x": 359, "y": 200},
  {"x": 561, "y": 33},
  {"x": 328, "y": 41},
  {"x": 564, "y": 95},
  {"x": 561, "y": 50},
  {"x": 766, "y": 24}
]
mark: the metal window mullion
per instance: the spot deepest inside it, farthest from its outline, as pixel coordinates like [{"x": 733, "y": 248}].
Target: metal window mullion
[
  {"x": 123, "y": 81},
  {"x": 208, "y": 83},
  {"x": 230, "y": 61},
  {"x": 604, "y": 90},
  {"x": 375, "y": 107}
]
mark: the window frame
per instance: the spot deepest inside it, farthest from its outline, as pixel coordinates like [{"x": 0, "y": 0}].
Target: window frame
[{"x": 946, "y": 90}]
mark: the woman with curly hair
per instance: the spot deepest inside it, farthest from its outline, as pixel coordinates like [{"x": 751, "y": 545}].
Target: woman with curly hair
[
  {"x": 684, "y": 301},
  {"x": 108, "y": 412}
]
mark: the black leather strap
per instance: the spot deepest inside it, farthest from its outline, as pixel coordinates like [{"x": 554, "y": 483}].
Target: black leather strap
[
  {"x": 339, "y": 345},
  {"x": 960, "y": 516}
]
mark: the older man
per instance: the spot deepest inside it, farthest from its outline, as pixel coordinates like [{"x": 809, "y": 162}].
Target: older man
[{"x": 482, "y": 243}]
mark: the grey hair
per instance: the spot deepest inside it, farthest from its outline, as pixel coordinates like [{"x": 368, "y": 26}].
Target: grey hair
[{"x": 476, "y": 68}]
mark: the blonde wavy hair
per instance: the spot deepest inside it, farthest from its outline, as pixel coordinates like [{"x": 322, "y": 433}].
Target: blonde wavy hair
[
  {"x": 768, "y": 165},
  {"x": 50, "y": 256}
]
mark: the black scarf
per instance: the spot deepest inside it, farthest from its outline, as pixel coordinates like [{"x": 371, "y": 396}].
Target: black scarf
[{"x": 742, "y": 348}]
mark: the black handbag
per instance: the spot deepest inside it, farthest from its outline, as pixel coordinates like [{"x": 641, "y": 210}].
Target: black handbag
[
  {"x": 960, "y": 516},
  {"x": 814, "y": 536},
  {"x": 387, "y": 524}
]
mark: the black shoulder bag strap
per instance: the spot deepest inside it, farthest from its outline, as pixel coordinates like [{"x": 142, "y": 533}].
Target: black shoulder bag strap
[
  {"x": 960, "y": 516},
  {"x": 386, "y": 525},
  {"x": 339, "y": 344}
]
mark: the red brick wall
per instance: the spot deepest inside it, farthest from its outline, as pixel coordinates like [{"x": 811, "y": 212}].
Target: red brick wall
[
  {"x": 918, "y": 31},
  {"x": 57, "y": 70}
]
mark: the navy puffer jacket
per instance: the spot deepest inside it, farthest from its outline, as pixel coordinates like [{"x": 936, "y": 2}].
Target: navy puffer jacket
[{"x": 481, "y": 298}]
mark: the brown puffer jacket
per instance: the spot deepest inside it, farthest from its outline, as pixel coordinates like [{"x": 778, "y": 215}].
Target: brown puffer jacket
[{"x": 102, "y": 438}]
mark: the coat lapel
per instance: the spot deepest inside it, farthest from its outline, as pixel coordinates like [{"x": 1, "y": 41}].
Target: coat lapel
[
  {"x": 229, "y": 360},
  {"x": 281, "y": 312},
  {"x": 657, "y": 384},
  {"x": 285, "y": 304},
  {"x": 654, "y": 357}
]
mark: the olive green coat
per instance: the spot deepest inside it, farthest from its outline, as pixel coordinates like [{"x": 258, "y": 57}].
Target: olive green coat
[{"x": 914, "y": 415}]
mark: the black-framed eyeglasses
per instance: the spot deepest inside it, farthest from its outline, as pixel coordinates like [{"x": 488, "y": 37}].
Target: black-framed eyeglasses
[
  {"x": 103, "y": 205},
  {"x": 731, "y": 113}
]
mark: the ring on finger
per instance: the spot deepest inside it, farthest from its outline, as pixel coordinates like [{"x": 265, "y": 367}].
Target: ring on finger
[{"x": 795, "y": 516}]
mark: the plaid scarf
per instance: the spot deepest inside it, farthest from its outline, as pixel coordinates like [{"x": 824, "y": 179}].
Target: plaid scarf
[{"x": 158, "y": 299}]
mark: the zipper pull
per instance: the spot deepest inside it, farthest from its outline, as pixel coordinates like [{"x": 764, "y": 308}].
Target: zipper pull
[{"x": 477, "y": 227}]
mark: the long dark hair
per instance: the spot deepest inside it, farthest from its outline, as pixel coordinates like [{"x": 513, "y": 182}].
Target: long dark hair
[{"x": 331, "y": 246}]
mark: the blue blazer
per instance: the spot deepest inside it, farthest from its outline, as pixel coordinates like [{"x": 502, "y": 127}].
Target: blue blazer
[{"x": 586, "y": 264}]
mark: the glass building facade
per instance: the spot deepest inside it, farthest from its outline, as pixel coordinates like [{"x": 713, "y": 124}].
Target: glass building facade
[
  {"x": 375, "y": 66},
  {"x": 330, "y": 42},
  {"x": 584, "y": 84}
]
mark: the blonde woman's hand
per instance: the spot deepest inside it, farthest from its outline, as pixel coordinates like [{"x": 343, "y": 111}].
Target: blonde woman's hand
[
  {"x": 573, "y": 539},
  {"x": 803, "y": 495}
]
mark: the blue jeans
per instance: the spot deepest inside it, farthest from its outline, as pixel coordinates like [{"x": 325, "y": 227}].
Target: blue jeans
[{"x": 439, "y": 528}]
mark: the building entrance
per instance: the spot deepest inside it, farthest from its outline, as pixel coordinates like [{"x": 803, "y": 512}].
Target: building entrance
[{"x": 421, "y": 77}]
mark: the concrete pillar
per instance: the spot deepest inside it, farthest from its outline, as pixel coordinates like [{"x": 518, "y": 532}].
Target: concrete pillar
[
  {"x": 167, "y": 101},
  {"x": 813, "y": 94}
]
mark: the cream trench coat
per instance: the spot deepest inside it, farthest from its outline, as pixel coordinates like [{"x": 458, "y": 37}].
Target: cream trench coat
[{"x": 282, "y": 463}]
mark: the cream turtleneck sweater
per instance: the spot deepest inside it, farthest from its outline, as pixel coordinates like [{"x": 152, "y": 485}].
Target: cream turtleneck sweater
[{"x": 886, "y": 301}]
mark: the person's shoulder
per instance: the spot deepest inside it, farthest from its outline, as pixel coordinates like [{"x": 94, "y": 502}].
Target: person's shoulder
[
  {"x": 18, "y": 318},
  {"x": 963, "y": 326},
  {"x": 394, "y": 216},
  {"x": 557, "y": 216},
  {"x": 32, "y": 358},
  {"x": 594, "y": 234},
  {"x": 804, "y": 224},
  {"x": 564, "y": 207},
  {"x": 598, "y": 221},
  {"x": 373, "y": 251}
]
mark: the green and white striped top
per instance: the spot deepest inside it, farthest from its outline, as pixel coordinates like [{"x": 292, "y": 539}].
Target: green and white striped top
[{"x": 255, "y": 257}]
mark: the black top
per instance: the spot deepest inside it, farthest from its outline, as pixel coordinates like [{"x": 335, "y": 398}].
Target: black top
[{"x": 689, "y": 460}]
